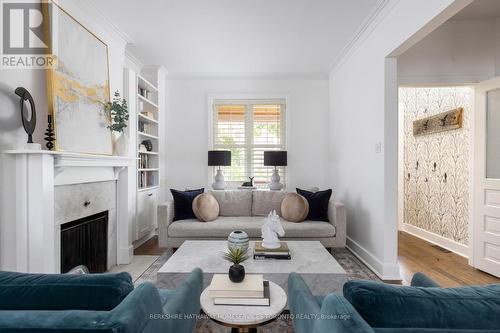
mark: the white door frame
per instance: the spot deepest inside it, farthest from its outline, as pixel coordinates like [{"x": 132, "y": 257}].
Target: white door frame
[{"x": 478, "y": 120}]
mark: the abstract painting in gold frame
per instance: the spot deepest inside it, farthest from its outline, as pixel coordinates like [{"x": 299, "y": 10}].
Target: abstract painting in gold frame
[{"x": 78, "y": 85}]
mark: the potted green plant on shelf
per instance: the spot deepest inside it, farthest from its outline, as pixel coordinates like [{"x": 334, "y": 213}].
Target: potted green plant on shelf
[
  {"x": 236, "y": 256},
  {"x": 118, "y": 113}
]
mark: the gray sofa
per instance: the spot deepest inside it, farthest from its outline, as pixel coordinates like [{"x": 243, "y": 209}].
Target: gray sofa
[{"x": 246, "y": 210}]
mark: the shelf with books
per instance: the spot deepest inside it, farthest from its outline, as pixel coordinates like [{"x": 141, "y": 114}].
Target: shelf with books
[
  {"x": 147, "y": 101},
  {"x": 147, "y": 178},
  {"x": 147, "y": 119},
  {"x": 147, "y": 135}
]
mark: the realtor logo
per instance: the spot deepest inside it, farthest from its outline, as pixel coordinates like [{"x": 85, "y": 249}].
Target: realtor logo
[{"x": 23, "y": 42}]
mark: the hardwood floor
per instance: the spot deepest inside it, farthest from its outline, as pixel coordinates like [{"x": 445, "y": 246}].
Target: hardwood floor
[
  {"x": 445, "y": 267},
  {"x": 150, "y": 248},
  {"x": 415, "y": 255}
]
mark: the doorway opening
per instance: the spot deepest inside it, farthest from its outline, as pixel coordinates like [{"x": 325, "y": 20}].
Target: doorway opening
[{"x": 438, "y": 80}]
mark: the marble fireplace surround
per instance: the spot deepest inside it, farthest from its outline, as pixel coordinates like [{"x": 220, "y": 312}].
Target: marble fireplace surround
[
  {"x": 76, "y": 201},
  {"x": 52, "y": 188}
]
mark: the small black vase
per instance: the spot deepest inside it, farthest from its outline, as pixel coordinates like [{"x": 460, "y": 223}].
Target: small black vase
[{"x": 236, "y": 273}]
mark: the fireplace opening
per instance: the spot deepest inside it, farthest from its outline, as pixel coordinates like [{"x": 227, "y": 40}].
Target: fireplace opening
[{"x": 85, "y": 242}]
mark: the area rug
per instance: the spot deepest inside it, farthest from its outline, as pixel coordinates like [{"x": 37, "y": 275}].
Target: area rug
[
  {"x": 354, "y": 268},
  {"x": 137, "y": 267}
]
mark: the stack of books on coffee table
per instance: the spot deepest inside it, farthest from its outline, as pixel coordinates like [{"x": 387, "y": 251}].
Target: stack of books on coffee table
[
  {"x": 260, "y": 252},
  {"x": 253, "y": 290}
]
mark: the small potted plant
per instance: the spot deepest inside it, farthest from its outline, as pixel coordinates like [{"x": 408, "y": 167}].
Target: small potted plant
[
  {"x": 118, "y": 113},
  {"x": 236, "y": 256}
]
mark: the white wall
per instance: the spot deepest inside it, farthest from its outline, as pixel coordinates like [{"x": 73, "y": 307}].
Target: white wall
[
  {"x": 456, "y": 52},
  {"x": 497, "y": 50},
  {"x": 363, "y": 112},
  {"x": 187, "y": 127}
]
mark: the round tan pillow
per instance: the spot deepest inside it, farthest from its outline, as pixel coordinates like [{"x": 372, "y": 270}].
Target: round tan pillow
[
  {"x": 205, "y": 207},
  {"x": 294, "y": 207}
]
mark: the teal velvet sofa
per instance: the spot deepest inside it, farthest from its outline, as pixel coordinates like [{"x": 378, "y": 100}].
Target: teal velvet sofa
[
  {"x": 369, "y": 306},
  {"x": 101, "y": 303}
]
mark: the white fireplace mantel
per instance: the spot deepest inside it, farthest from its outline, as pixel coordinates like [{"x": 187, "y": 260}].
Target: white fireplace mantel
[
  {"x": 63, "y": 159},
  {"x": 29, "y": 238}
]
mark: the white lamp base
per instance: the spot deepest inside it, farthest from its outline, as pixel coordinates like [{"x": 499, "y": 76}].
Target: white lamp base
[
  {"x": 219, "y": 183},
  {"x": 275, "y": 184}
]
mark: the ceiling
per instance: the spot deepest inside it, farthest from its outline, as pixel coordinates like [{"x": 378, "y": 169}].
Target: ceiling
[
  {"x": 236, "y": 36},
  {"x": 480, "y": 10}
]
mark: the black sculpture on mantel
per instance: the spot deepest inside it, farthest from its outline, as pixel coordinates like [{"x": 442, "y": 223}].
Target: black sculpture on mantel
[
  {"x": 49, "y": 134},
  {"x": 29, "y": 123}
]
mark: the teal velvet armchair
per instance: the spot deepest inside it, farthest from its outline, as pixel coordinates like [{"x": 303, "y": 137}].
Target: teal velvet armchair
[
  {"x": 369, "y": 306},
  {"x": 95, "y": 303}
]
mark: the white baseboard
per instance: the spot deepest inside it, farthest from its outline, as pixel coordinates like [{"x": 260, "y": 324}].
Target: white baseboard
[
  {"x": 385, "y": 271},
  {"x": 460, "y": 249}
]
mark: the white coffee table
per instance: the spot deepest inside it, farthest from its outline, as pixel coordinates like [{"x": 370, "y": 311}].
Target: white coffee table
[
  {"x": 321, "y": 272},
  {"x": 245, "y": 318}
]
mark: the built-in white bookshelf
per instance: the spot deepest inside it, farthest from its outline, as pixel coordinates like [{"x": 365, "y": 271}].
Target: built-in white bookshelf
[{"x": 148, "y": 161}]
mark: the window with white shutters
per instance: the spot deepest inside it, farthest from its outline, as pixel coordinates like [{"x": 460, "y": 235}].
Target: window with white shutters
[{"x": 248, "y": 128}]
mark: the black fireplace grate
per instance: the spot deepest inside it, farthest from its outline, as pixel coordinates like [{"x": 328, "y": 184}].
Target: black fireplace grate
[{"x": 85, "y": 242}]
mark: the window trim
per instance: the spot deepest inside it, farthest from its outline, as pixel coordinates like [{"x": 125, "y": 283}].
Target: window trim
[{"x": 245, "y": 97}]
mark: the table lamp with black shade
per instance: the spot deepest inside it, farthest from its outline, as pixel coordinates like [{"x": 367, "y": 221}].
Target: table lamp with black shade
[
  {"x": 219, "y": 158},
  {"x": 275, "y": 159}
]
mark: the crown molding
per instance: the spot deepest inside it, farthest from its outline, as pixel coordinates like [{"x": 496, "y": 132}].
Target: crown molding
[
  {"x": 246, "y": 76},
  {"x": 376, "y": 16},
  {"x": 95, "y": 16},
  {"x": 132, "y": 62}
]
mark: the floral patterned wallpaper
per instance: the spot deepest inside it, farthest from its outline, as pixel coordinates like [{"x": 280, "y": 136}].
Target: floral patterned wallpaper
[{"x": 436, "y": 166}]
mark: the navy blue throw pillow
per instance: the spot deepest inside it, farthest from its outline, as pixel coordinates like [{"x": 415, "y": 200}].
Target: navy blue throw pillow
[
  {"x": 318, "y": 204},
  {"x": 183, "y": 203}
]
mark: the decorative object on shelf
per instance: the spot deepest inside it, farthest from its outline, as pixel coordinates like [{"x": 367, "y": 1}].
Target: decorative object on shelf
[
  {"x": 445, "y": 121},
  {"x": 271, "y": 229},
  {"x": 219, "y": 158},
  {"x": 148, "y": 144},
  {"x": 248, "y": 184},
  {"x": 78, "y": 88},
  {"x": 148, "y": 114},
  {"x": 275, "y": 159},
  {"x": 236, "y": 255},
  {"x": 238, "y": 239},
  {"x": 28, "y": 117},
  {"x": 49, "y": 133},
  {"x": 118, "y": 113},
  {"x": 142, "y": 148}
]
